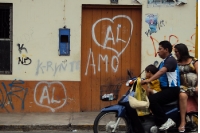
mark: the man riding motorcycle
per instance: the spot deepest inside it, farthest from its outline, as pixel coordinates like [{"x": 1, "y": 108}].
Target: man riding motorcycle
[{"x": 168, "y": 75}]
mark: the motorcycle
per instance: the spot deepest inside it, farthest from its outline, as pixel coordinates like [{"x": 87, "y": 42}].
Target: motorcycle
[{"x": 113, "y": 119}]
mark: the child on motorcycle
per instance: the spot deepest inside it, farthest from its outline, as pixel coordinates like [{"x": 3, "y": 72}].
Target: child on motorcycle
[
  {"x": 141, "y": 91},
  {"x": 153, "y": 86}
]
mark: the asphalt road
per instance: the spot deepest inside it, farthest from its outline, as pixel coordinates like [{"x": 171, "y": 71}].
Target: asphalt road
[
  {"x": 55, "y": 131},
  {"x": 49, "y": 131}
]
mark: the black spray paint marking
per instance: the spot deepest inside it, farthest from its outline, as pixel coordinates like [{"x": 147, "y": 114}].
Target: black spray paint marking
[
  {"x": 24, "y": 61},
  {"x": 20, "y": 48}
]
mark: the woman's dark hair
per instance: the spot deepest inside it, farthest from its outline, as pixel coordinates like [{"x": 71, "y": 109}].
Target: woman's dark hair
[
  {"x": 166, "y": 45},
  {"x": 151, "y": 68},
  {"x": 183, "y": 51}
]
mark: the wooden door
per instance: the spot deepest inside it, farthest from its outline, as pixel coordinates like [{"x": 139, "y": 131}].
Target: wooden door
[{"x": 110, "y": 44}]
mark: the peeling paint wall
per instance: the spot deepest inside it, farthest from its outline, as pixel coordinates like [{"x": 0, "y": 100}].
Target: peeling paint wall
[
  {"x": 39, "y": 96},
  {"x": 48, "y": 82},
  {"x": 167, "y": 22}
]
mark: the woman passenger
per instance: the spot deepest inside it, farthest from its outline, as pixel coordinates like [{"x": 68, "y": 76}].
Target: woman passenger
[{"x": 188, "y": 67}]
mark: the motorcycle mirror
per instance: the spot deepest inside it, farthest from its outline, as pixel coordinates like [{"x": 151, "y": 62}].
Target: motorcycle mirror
[
  {"x": 129, "y": 73},
  {"x": 141, "y": 73}
]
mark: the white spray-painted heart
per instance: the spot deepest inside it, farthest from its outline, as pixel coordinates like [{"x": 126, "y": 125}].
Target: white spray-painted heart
[
  {"x": 49, "y": 84},
  {"x": 112, "y": 20}
]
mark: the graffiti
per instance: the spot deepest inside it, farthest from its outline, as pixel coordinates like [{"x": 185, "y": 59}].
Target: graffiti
[
  {"x": 165, "y": 2},
  {"x": 15, "y": 91},
  {"x": 161, "y": 24},
  {"x": 152, "y": 21},
  {"x": 93, "y": 64},
  {"x": 50, "y": 66},
  {"x": 105, "y": 59},
  {"x": 157, "y": 3},
  {"x": 173, "y": 39},
  {"x": 109, "y": 31},
  {"x": 24, "y": 61},
  {"x": 20, "y": 48},
  {"x": 51, "y": 95},
  {"x": 109, "y": 36},
  {"x": 65, "y": 61},
  {"x": 154, "y": 46},
  {"x": 192, "y": 42}
]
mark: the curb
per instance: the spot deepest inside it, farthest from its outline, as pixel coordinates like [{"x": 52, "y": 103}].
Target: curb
[{"x": 24, "y": 128}]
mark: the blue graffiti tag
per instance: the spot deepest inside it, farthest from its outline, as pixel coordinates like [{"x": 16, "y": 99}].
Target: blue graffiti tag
[{"x": 14, "y": 89}]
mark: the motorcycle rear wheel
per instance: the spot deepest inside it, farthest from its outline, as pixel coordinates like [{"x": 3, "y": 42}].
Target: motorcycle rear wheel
[{"x": 105, "y": 121}]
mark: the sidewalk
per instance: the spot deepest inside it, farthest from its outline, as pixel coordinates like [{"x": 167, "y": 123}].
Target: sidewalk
[{"x": 47, "y": 121}]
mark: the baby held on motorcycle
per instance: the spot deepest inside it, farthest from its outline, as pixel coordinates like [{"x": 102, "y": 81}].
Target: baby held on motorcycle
[{"x": 153, "y": 86}]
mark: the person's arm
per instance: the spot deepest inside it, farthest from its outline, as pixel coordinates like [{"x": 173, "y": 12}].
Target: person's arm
[
  {"x": 196, "y": 66},
  {"x": 155, "y": 76}
]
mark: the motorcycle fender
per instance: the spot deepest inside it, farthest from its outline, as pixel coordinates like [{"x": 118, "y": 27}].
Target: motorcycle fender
[{"x": 116, "y": 108}]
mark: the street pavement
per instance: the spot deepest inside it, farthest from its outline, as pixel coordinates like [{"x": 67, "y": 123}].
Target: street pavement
[
  {"x": 47, "y": 121},
  {"x": 70, "y": 122}
]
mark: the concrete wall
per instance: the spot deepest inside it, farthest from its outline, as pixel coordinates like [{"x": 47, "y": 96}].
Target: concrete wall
[{"x": 36, "y": 24}]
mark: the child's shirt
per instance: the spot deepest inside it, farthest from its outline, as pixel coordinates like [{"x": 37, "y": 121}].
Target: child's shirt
[{"x": 155, "y": 85}]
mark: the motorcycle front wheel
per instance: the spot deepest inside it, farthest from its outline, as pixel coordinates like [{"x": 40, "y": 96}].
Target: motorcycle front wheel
[{"x": 108, "y": 122}]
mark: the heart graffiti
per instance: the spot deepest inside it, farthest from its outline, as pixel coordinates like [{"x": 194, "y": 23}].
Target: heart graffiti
[
  {"x": 45, "y": 87},
  {"x": 112, "y": 21}
]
